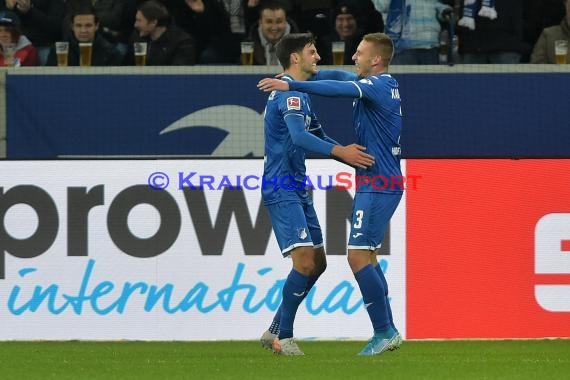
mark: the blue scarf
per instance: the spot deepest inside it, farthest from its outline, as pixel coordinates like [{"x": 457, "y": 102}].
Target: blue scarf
[
  {"x": 397, "y": 25},
  {"x": 470, "y": 10},
  {"x": 394, "y": 20}
]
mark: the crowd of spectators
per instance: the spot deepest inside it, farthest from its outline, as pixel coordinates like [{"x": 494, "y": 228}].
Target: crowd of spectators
[{"x": 206, "y": 32}]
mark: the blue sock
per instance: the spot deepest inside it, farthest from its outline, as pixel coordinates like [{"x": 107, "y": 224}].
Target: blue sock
[
  {"x": 294, "y": 292},
  {"x": 385, "y": 283},
  {"x": 374, "y": 298},
  {"x": 274, "y": 328}
]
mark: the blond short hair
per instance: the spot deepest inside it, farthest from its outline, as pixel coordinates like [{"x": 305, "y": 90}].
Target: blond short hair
[{"x": 383, "y": 43}]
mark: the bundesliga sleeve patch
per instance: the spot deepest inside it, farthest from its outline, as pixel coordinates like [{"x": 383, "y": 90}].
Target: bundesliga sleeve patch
[{"x": 293, "y": 103}]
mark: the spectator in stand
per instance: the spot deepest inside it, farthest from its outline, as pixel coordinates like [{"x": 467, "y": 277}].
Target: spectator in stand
[
  {"x": 494, "y": 36},
  {"x": 168, "y": 45},
  {"x": 350, "y": 20},
  {"x": 85, "y": 28},
  {"x": 347, "y": 28},
  {"x": 114, "y": 21},
  {"x": 543, "y": 51},
  {"x": 414, "y": 26},
  {"x": 41, "y": 22},
  {"x": 208, "y": 22},
  {"x": 17, "y": 50},
  {"x": 272, "y": 26}
]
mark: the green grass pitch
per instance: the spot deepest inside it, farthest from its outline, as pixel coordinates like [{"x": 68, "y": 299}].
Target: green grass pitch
[{"x": 511, "y": 359}]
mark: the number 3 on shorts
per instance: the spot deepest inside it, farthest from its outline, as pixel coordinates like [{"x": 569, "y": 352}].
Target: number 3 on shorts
[{"x": 359, "y": 214}]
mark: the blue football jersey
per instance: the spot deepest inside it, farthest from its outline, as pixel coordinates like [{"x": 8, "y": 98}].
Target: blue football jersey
[
  {"x": 377, "y": 119},
  {"x": 284, "y": 164}
]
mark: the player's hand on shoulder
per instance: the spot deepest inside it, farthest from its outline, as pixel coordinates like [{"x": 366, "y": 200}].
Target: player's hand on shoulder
[
  {"x": 353, "y": 155},
  {"x": 272, "y": 84}
]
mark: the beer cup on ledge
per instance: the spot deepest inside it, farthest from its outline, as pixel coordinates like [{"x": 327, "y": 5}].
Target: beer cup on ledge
[
  {"x": 561, "y": 51},
  {"x": 247, "y": 53},
  {"x": 140, "y": 49},
  {"x": 85, "y": 52},
  {"x": 62, "y": 52},
  {"x": 338, "y": 53}
]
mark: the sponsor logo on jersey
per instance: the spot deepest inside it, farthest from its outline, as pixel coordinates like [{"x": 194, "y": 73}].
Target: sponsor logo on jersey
[{"x": 293, "y": 103}]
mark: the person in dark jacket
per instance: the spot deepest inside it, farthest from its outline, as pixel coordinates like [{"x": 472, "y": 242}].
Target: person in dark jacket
[
  {"x": 272, "y": 26},
  {"x": 116, "y": 19},
  {"x": 497, "y": 39},
  {"x": 168, "y": 45},
  {"x": 84, "y": 27},
  {"x": 347, "y": 28}
]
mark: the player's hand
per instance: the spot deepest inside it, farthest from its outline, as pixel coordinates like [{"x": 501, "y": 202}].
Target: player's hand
[
  {"x": 353, "y": 155},
  {"x": 271, "y": 84}
]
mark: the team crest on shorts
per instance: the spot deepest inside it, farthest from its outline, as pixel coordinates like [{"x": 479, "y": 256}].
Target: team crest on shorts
[
  {"x": 302, "y": 234},
  {"x": 293, "y": 103}
]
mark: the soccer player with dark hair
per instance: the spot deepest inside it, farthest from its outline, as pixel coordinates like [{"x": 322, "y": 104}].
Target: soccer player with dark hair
[
  {"x": 377, "y": 118},
  {"x": 291, "y": 128}
]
